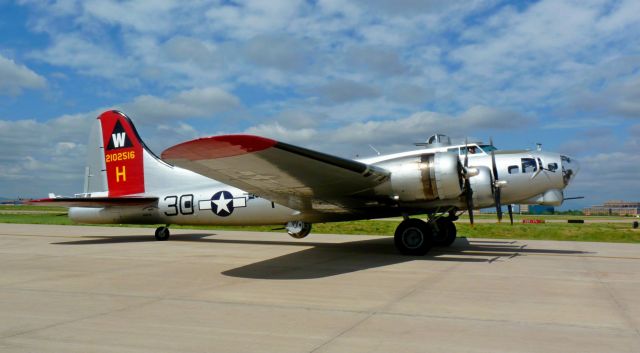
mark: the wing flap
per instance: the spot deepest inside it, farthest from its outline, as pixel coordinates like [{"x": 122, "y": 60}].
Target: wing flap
[
  {"x": 297, "y": 177},
  {"x": 94, "y": 201}
]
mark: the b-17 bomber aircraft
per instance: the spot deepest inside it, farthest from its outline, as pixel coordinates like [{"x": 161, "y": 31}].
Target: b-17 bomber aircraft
[{"x": 251, "y": 180}]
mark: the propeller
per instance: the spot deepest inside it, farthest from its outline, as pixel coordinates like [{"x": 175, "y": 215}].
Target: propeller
[
  {"x": 496, "y": 188},
  {"x": 468, "y": 193}
]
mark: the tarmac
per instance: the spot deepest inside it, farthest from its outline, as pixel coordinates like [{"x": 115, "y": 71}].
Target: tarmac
[{"x": 110, "y": 289}]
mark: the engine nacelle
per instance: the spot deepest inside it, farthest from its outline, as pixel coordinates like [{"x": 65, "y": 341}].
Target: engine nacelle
[
  {"x": 482, "y": 186},
  {"x": 553, "y": 197},
  {"x": 429, "y": 177}
]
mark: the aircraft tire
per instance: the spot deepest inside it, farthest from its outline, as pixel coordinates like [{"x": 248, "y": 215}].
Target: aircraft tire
[
  {"x": 298, "y": 229},
  {"x": 162, "y": 233},
  {"x": 446, "y": 234},
  {"x": 414, "y": 237}
]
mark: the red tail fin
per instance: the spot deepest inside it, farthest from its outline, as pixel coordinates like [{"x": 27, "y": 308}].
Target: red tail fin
[{"x": 123, "y": 154}]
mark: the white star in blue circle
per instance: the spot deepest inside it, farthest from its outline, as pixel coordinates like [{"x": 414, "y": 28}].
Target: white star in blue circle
[{"x": 222, "y": 203}]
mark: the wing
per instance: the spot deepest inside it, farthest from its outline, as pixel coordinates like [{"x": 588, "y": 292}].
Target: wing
[
  {"x": 95, "y": 201},
  {"x": 296, "y": 177}
]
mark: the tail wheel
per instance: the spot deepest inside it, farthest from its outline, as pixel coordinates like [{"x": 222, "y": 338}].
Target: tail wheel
[
  {"x": 298, "y": 229},
  {"x": 446, "y": 233},
  {"x": 414, "y": 237},
  {"x": 162, "y": 233}
]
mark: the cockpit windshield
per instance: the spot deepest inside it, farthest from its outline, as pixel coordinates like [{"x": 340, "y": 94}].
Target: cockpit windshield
[
  {"x": 477, "y": 149},
  {"x": 488, "y": 148}
]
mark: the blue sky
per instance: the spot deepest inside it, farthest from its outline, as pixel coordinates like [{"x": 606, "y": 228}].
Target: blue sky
[{"x": 329, "y": 75}]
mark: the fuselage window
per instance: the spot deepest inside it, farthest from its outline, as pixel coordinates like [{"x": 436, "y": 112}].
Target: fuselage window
[
  {"x": 529, "y": 165},
  {"x": 552, "y": 167},
  {"x": 513, "y": 169}
]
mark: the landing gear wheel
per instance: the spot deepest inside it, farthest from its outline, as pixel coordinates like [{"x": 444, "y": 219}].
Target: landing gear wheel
[
  {"x": 298, "y": 229},
  {"x": 446, "y": 234},
  {"x": 162, "y": 233},
  {"x": 414, "y": 237}
]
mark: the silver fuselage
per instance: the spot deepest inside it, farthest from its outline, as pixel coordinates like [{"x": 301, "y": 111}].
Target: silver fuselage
[{"x": 189, "y": 198}]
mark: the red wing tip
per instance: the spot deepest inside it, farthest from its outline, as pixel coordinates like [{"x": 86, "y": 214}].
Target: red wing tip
[
  {"x": 218, "y": 147},
  {"x": 38, "y": 201}
]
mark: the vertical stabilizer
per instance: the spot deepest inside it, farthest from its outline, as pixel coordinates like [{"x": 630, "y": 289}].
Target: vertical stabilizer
[{"x": 123, "y": 156}]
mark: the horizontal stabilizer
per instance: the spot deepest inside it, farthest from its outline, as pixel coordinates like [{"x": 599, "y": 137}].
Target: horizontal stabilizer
[{"x": 94, "y": 201}]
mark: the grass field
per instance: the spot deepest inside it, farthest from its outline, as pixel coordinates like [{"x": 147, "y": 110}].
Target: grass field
[{"x": 602, "y": 232}]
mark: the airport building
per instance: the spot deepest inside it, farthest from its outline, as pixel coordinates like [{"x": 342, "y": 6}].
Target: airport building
[{"x": 614, "y": 208}]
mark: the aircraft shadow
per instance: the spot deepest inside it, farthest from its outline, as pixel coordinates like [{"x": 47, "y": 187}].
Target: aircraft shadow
[{"x": 320, "y": 260}]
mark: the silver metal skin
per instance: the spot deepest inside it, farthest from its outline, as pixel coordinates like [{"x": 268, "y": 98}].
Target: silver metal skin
[
  {"x": 426, "y": 177},
  {"x": 537, "y": 185},
  {"x": 401, "y": 184}
]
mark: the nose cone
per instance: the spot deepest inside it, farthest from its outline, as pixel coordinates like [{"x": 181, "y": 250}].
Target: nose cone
[{"x": 570, "y": 168}]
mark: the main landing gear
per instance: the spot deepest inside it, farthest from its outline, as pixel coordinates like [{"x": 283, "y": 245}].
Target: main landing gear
[
  {"x": 162, "y": 233},
  {"x": 416, "y": 237},
  {"x": 298, "y": 229}
]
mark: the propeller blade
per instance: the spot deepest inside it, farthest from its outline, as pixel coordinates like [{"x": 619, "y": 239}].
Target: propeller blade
[
  {"x": 494, "y": 166},
  {"x": 498, "y": 205},
  {"x": 468, "y": 192},
  {"x": 510, "y": 208},
  {"x": 466, "y": 153},
  {"x": 496, "y": 189},
  {"x": 469, "y": 197}
]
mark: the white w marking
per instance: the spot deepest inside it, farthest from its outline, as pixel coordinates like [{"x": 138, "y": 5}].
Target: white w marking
[{"x": 118, "y": 139}]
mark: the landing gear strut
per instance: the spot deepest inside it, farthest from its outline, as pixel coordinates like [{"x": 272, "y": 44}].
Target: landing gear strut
[{"x": 162, "y": 233}]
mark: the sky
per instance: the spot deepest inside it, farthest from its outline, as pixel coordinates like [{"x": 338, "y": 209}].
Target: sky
[{"x": 334, "y": 76}]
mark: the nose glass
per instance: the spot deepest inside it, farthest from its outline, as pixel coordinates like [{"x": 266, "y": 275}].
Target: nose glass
[{"x": 570, "y": 168}]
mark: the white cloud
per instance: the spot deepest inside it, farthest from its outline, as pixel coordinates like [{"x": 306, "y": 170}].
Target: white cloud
[
  {"x": 141, "y": 16},
  {"x": 194, "y": 103},
  {"x": 192, "y": 50},
  {"x": 280, "y": 52},
  {"x": 423, "y": 124},
  {"x": 341, "y": 91},
  {"x": 283, "y": 133},
  {"x": 248, "y": 18},
  {"x": 87, "y": 57},
  {"x": 39, "y": 156},
  {"x": 379, "y": 61},
  {"x": 606, "y": 176},
  {"x": 15, "y": 77}
]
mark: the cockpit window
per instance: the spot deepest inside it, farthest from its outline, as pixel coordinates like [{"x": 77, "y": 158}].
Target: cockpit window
[
  {"x": 463, "y": 150},
  {"x": 552, "y": 167},
  {"x": 513, "y": 169},
  {"x": 569, "y": 168},
  {"x": 529, "y": 165},
  {"x": 473, "y": 149},
  {"x": 488, "y": 148}
]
